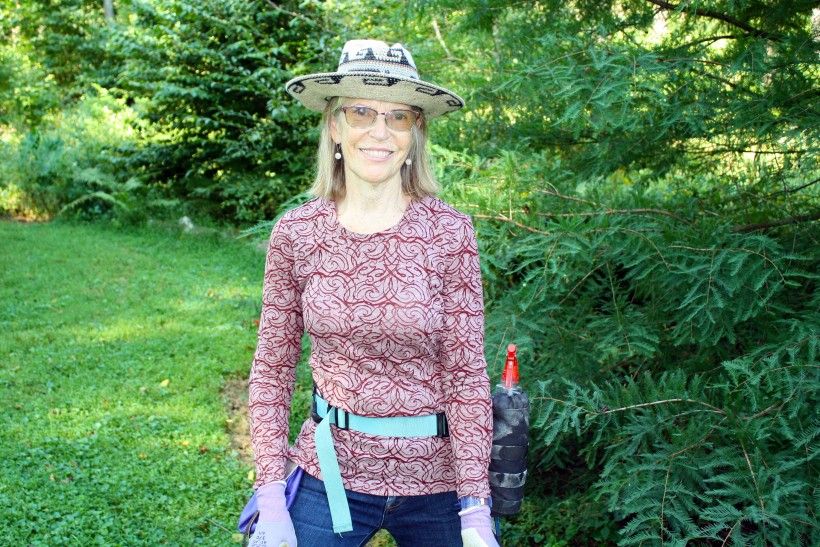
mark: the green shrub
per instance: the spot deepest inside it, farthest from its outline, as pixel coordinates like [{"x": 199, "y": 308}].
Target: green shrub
[
  {"x": 224, "y": 136},
  {"x": 670, "y": 353},
  {"x": 71, "y": 162},
  {"x": 27, "y": 91}
]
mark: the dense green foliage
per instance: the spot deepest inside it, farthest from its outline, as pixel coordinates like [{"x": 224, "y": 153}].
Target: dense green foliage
[
  {"x": 647, "y": 239},
  {"x": 643, "y": 176},
  {"x": 659, "y": 344},
  {"x": 201, "y": 82},
  {"x": 214, "y": 73}
]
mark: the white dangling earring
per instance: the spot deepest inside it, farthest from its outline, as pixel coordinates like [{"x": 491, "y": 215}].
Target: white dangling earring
[
  {"x": 338, "y": 154},
  {"x": 408, "y": 161}
]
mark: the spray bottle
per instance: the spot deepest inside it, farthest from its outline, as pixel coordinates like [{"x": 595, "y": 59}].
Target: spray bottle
[{"x": 508, "y": 458}]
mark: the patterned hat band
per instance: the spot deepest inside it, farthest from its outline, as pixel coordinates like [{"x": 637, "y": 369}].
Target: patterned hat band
[
  {"x": 395, "y": 61},
  {"x": 370, "y": 69}
]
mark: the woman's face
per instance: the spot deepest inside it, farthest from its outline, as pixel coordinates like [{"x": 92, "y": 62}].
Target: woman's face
[{"x": 372, "y": 154}]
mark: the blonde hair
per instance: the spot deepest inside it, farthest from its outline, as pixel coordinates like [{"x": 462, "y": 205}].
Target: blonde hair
[{"x": 417, "y": 179}]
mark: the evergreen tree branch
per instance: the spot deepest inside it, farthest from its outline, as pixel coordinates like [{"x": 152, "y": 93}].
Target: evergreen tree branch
[
  {"x": 720, "y": 17},
  {"x": 754, "y": 478},
  {"x": 750, "y": 251},
  {"x": 715, "y": 151},
  {"x": 692, "y": 60},
  {"x": 618, "y": 313},
  {"x": 773, "y": 406},
  {"x": 440, "y": 39},
  {"x": 570, "y": 332},
  {"x": 642, "y": 236},
  {"x": 566, "y": 403},
  {"x": 710, "y": 40},
  {"x": 663, "y": 499},
  {"x": 729, "y": 83},
  {"x": 554, "y": 192},
  {"x": 511, "y": 221},
  {"x": 699, "y": 441},
  {"x": 637, "y": 211},
  {"x": 293, "y": 14},
  {"x": 714, "y": 409},
  {"x": 795, "y": 189},
  {"x": 811, "y": 217},
  {"x": 589, "y": 273},
  {"x": 732, "y": 529},
  {"x": 744, "y": 382}
]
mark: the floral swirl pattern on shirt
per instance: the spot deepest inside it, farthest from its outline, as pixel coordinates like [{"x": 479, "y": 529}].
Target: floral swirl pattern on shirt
[{"x": 396, "y": 323}]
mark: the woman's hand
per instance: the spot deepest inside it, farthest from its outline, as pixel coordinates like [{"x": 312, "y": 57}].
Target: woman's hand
[
  {"x": 477, "y": 527},
  {"x": 274, "y": 527}
]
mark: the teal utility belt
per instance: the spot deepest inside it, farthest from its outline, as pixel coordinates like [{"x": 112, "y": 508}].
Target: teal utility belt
[{"x": 430, "y": 425}]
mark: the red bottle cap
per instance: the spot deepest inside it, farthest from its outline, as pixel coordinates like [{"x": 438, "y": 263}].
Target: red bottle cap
[{"x": 510, "y": 378}]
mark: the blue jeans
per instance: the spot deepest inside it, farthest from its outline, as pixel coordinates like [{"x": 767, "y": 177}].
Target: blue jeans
[{"x": 413, "y": 521}]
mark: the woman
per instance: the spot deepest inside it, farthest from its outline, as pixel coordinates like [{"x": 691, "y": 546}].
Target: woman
[{"x": 385, "y": 278}]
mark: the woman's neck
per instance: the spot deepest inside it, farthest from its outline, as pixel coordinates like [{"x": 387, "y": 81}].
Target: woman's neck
[{"x": 367, "y": 208}]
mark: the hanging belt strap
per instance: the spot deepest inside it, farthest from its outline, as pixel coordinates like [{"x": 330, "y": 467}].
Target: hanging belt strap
[{"x": 430, "y": 425}]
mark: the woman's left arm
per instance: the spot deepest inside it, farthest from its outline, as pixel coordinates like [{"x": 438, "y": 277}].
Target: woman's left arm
[{"x": 466, "y": 385}]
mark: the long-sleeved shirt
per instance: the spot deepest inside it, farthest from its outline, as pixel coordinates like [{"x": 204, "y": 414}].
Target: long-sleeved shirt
[{"x": 396, "y": 323}]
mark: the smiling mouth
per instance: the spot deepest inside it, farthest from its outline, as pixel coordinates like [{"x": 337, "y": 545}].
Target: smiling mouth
[{"x": 376, "y": 154}]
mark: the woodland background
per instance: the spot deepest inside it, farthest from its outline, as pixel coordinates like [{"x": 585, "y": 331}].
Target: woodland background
[{"x": 643, "y": 176}]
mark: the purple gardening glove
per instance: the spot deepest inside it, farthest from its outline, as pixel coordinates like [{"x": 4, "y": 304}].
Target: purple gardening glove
[
  {"x": 477, "y": 527},
  {"x": 274, "y": 527}
]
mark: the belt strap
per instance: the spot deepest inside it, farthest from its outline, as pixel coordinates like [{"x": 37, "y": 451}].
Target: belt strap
[
  {"x": 332, "y": 476},
  {"x": 430, "y": 425}
]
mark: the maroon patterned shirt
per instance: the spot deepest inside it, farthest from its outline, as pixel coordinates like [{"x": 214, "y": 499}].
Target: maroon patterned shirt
[{"x": 396, "y": 323}]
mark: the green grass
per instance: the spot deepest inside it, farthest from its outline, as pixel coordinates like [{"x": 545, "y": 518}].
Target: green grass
[{"x": 114, "y": 346}]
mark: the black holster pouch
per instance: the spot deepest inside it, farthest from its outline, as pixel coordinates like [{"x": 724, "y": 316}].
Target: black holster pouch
[{"x": 508, "y": 457}]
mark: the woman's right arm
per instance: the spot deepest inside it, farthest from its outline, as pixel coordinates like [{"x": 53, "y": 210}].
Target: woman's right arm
[{"x": 273, "y": 372}]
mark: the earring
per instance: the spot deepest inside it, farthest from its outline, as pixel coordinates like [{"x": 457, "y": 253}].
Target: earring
[
  {"x": 408, "y": 161},
  {"x": 338, "y": 154}
]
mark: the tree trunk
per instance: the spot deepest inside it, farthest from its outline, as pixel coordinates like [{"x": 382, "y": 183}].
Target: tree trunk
[{"x": 108, "y": 6}]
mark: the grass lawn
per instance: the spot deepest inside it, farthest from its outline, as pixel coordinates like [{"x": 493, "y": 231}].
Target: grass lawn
[{"x": 115, "y": 347}]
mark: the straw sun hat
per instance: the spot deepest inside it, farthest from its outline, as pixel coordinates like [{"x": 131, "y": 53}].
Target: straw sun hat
[{"x": 370, "y": 69}]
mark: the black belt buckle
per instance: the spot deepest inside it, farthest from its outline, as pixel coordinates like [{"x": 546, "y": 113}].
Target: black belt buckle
[
  {"x": 442, "y": 429},
  {"x": 314, "y": 413},
  {"x": 340, "y": 418},
  {"x": 340, "y": 414}
]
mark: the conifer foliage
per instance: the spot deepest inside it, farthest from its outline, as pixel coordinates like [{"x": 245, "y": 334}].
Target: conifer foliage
[
  {"x": 643, "y": 176},
  {"x": 212, "y": 72}
]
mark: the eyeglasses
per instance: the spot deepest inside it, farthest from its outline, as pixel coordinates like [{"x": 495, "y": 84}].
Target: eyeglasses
[{"x": 362, "y": 117}]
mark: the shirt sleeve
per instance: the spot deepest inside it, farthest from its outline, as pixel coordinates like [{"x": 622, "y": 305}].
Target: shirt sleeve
[
  {"x": 466, "y": 385},
  {"x": 273, "y": 372}
]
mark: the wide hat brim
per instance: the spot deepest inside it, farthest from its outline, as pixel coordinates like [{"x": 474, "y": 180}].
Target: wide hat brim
[{"x": 315, "y": 90}]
